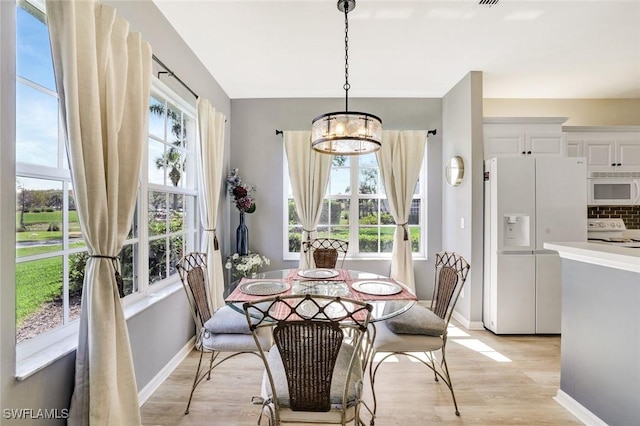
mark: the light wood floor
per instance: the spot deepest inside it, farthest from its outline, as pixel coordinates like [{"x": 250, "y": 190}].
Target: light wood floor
[{"x": 498, "y": 380}]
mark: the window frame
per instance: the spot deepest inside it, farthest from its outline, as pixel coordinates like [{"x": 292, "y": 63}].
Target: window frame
[
  {"x": 354, "y": 252},
  {"x": 59, "y": 173},
  {"x": 158, "y": 87},
  {"x": 39, "y": 351}
]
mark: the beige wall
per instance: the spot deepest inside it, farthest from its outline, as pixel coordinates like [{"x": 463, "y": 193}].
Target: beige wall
[{"x": 580, "y": 112}]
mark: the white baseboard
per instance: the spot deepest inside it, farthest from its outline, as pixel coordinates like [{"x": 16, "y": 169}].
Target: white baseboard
[
  {"x": 146, "y": 392},
  {"x": 469, "y": 325},
  {"x": 577, "y": 409}
]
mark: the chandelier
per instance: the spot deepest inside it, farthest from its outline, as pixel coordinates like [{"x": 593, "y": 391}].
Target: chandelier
[{"x": 346, "y": 132}]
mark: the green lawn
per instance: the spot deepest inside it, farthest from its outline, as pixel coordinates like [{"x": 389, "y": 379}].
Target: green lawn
[
  {"x": 37, "y": 282},
  {"x": 46, "y": 217},
  {"x": 39, "y": 222},
  {"x": 40, "y": 281}
]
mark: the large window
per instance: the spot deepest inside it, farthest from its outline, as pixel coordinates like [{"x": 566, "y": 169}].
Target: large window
[
  {"x": 50, "y": 252},
  {"x": 49, "y": 246},
  {"x": 172, "y": 221},
  {"x": 356, "y": 209}
]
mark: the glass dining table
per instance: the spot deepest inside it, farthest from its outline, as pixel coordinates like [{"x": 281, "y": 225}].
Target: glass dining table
[{"x": 387, "y": 296}]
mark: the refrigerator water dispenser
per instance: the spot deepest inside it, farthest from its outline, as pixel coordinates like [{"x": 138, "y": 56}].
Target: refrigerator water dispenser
[{"x": 516, "y": 230}]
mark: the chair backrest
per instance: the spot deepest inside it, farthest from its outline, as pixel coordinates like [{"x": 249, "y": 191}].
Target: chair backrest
[
  {"x": 192, "y": 269},
  {"x": 309, "y": 388},
  {"x": 325, "y": 252},
  {"x": 309, "y": 332},
  {"x": 451, "y": 272}
]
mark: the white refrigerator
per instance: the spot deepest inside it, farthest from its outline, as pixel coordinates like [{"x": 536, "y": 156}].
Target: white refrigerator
[{"x": 528, "y": 202}]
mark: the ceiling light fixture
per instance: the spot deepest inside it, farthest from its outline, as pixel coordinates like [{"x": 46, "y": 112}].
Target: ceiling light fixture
[{"x": 346, "y": 132}]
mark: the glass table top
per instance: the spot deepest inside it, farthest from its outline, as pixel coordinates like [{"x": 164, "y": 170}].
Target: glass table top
[{"x": 388, "y": 297}]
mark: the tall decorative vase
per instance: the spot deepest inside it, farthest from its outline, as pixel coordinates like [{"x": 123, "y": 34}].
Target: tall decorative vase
[{"x": 242, "y": 237}]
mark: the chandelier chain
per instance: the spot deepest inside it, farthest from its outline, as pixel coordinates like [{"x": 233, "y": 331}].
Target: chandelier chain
[{"x": 346, "y": 86}]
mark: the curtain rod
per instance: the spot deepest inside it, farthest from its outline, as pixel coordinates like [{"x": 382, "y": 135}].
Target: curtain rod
[
  {"x": 171, "y": 74},
  {"x": 429, "y": 132}
]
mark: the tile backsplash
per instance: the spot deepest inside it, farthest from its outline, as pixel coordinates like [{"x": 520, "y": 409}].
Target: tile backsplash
[{"x": 629, "y": 214}]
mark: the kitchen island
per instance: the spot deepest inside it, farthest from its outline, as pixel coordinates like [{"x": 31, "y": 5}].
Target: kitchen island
[{"x": 600, "y": 344}]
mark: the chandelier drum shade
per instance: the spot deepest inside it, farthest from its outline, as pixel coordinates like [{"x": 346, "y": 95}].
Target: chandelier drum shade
[{"x": 346, "y": 132}]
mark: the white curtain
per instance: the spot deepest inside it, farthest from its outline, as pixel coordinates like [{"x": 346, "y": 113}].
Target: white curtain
[
  {"x": 309, "y": 174},
  {"x": 400, "y": 160},
  {"x": 103, "y": 77},
  {"x": 209, "y": 159}
]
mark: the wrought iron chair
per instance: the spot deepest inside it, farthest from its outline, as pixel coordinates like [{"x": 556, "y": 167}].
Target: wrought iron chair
[
  {"x": 325, "y": 252},
  {"x": 423, "y": 330},
  {"x": 314, "y": 372},
  {"x": 221, "y": 331}
]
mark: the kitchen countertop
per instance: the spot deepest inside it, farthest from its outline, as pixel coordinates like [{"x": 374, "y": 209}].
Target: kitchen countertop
[
  {"x": 631, "y": 233},
  {"x": 624, "y": 258}
]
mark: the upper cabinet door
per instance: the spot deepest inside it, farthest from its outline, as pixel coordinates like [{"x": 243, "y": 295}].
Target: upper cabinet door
[
  {"x": 607, "y": 150},
  {"x": 544, "y": 144},
  {"x": 523, "y": 136},
  {"x": 503, "y": 144},
  {"x": 575, "y": 148},
  {"x": 628, "y": 154},
  {"x": 600, "y": 154}
]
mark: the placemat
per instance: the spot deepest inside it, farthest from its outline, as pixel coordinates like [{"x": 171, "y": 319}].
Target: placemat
[
  {"x": 238, "y": 296},
  {"x": 343, "y": 275}
]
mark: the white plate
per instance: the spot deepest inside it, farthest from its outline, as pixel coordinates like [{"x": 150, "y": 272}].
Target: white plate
[
  {"x": 263, "y": 288},
  {"x": 379, "y": 288},
  {"x": 318, "y": 273}
]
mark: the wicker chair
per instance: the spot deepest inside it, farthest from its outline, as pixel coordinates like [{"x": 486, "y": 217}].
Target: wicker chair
[
  {"x": 422, "y": 330},
  {"x": 314, "y": 372},
  {"x": 325, "y": 252},
  {"x": 220, "y": 331}
]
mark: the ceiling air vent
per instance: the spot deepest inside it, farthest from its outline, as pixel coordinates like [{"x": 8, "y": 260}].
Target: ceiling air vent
[{"x": 488, "y": 2}]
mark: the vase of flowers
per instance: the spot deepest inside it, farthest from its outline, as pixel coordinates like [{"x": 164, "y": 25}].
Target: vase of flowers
[
  {"x": 245, "y": 203},
  {"x": 246, "y": 266}
]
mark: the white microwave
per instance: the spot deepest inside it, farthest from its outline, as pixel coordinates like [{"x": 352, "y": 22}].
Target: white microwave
[{"x": 614, "y": 191}]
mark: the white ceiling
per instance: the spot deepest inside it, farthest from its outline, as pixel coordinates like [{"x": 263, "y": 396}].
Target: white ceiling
[{"x": 525, "y": 49}]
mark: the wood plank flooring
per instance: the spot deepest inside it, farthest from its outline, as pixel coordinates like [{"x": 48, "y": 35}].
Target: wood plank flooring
[{"x": 498, "y": 380}]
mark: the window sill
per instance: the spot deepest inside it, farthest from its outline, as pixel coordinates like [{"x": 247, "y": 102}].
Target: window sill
[
  {"x": 143, "y": 302},
  {"x": 40, "y": 360}
]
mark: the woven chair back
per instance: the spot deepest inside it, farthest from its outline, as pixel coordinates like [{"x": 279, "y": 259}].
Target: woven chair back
[
  {"x": 447, "y": 280},
  {"x": 309, "y": 351},
  {"x": 309, "y": 332},
  {"x": 196, "y": 281},
  {"x": 325, "y": 252},
  {"x": 325, "y": 257},
  {"x": 451, "y": 272},
  {"x": 192, "y": 269}
]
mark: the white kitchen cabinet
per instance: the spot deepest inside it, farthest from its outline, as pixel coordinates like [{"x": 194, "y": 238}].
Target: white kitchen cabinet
[
  {"x": 606, "y": 148},
  {"x": 522, "y": 136},
  {"x": 575, "y": 148}
]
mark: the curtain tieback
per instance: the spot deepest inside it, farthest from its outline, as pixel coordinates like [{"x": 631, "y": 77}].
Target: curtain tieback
[
  {"x": 309, "y": 231},
  {"x": 216, "y": 247},
  {"x": 406, "y": 231},
  {"x": 115, "y": 261}
]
